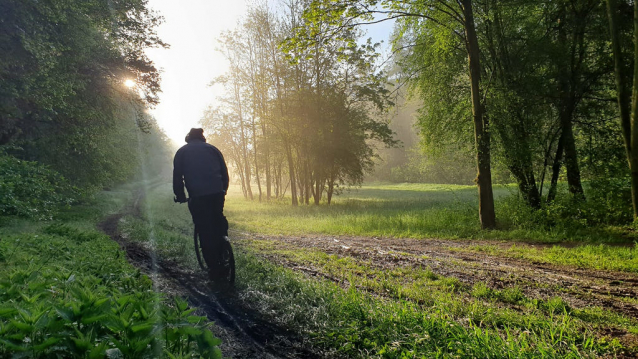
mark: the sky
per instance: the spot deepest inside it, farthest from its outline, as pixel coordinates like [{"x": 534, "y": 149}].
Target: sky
[{"x": 191, "y": 28}]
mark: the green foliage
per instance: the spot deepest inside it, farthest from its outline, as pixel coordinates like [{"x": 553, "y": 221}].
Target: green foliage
[
  {"x": 608, "y": 203},
  {"x": 310, "y": 116},
  {"x": 62, "y": 98},
  {"x": 72, "y": 233},
  {"x": 70, "y": 293},
  {"x": 32, "y": 190}
]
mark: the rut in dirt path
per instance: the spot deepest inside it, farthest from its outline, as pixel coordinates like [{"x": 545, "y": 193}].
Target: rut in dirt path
[
  {"x": 243, "y": 332},
  {"x": 579, "y": 287}
]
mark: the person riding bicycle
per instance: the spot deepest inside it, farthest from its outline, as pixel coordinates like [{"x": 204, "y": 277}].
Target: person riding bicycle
[{"x": 202, "y": 168}]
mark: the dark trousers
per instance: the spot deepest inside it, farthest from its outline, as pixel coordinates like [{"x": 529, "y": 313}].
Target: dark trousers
[{"x": 208, "y": 216}]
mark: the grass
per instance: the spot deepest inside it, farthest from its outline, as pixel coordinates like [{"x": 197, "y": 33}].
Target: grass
[
  {"x": 377, "y": 313},
  {"x": 411, "y": 211},
  {"x": 598, "y": 257},
  {"x": 417, "y": 211},
  {"x": 442, "y": 212},
  {"x": 362, "y": 325},
  {"x": 67, "y": 290},
  {"x": 508, "y": 306}
]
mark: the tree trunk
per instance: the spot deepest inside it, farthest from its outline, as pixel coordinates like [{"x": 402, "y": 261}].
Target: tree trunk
[
  {"x": 244, "y": 145},
  {"x": 568, "y": 72},
  {"x": 514, "y": 134},
  {"x": 527, "y": 186},
  {"x": 300, "y": 183},
  {"x": 254, "y": 128},
  {"x": 481, "y": 123},
  {"x": 318, "y": 190},
  {"x": 558, "y": 160},
  {"x": 627, "y": 103},
  {"x": 308, "y": 182},
  {"x": 546, "y": 162},
  {"x": 331, "y": 187},
  {"x": 291, "y": 171},
  {"x": 571, "y": 161},
  {"x": 277, "y": 179},
  {"x": 267, "y": 162},
  {"x": 241, "y": 177}
]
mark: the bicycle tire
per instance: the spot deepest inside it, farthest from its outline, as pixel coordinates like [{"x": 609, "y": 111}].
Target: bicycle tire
[
  {"x": 199, "y": 253},
  {"x": 227, "y": 265}
]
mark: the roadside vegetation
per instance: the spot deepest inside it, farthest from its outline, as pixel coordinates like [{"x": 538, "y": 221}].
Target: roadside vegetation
[
  {"x": 414, "y": 313},
  {"x": 67, "y": 290}
]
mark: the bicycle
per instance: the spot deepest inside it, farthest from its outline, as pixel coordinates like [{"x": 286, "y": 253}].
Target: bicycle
[{"x": 226, "y": 263}]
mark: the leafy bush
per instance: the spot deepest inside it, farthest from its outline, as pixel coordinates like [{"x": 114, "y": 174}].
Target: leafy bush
[
  {"x": 69, "y": 294},
  {"x": 608, "y": 202},
  {"x": 31, "y": 190},
  {"x": 69, "y": 232}
]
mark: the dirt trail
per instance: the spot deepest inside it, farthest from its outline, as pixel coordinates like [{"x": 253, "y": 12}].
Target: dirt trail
[
  {"x": 579, "y": 287},
  {"x": 243, "y": 332}
]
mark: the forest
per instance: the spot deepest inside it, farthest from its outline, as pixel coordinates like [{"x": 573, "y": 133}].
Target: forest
[
  {"x": 552, "y": 84},
  {"x": 468, "y": 189}
]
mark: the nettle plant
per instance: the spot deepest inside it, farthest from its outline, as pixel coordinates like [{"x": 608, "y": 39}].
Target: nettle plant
[{"x": 74, "y": 308}]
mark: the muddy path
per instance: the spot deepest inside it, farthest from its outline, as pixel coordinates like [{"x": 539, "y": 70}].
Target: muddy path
[
  {"x": 243, "y": 331},
  {"x": 580, "y": 288}
]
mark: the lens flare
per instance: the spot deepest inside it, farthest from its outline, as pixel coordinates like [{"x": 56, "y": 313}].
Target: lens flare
[{"x": 129, "y": 83}]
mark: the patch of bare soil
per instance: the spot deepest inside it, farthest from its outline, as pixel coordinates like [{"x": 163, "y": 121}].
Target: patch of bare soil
[
  {"x": 578, "y": 287},
  {"x": 244, "y": 332}
]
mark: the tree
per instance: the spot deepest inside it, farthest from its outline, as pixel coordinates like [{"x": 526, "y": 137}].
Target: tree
[
  {"x": 626, "y": 93},
  {"x": 432, "y": 16},
  {"x": 317, "y": 109},
  {"x": 62, "y": 99}
]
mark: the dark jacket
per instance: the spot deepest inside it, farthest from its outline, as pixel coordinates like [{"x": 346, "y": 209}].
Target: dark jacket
[{"x": 202, "y": 167}]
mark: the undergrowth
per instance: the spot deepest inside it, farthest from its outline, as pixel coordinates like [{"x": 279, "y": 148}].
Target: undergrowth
[
  {"x": 32, "y": 190},
  {"x": 66, "y": 291}
]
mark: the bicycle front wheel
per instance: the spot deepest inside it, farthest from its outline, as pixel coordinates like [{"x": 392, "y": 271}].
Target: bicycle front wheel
[{"x": 199, "y": 252}]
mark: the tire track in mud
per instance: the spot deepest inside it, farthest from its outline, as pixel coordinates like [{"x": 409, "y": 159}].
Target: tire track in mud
[
  {"x": 243, "y": 332},
  {"x": 579, "y": 287}
]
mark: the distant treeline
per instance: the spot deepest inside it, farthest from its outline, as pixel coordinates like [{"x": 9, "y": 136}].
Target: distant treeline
[
  {"x": 298, "y": 121},
  {"x": 66, "y": 118}
]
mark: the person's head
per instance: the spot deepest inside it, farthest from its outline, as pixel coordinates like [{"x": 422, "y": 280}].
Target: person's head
[{"x": 195, "y": 134}]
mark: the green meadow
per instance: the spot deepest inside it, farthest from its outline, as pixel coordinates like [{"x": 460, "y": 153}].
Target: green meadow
[{"x": 418, "y": 211}]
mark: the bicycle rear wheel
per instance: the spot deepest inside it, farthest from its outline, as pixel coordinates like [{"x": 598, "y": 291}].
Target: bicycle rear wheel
[
  {"x": 225, "y": 271},
  {"x": 227, "y": 264}
]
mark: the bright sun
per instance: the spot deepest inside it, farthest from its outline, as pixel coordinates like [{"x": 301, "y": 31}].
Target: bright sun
[{"x": 129, "y": 83}]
